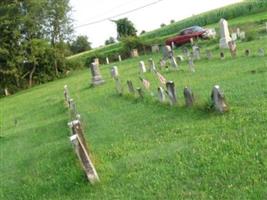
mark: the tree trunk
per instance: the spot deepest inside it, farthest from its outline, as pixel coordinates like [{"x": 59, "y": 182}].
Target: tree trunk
[{"x": 31, "y": 75}]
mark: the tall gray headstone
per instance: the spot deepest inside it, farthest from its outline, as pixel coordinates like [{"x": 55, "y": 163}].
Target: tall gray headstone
[
  {"x": 167, "y": 52},
  {"x": 96, "y": 76},
  {"x": 218, "y": 99},
  {"x": 130, "y": 87},
  {"x": 189, "y": 97},
  {"x": 171, "y": 92},
  {"x": 161, "y": 95},
  {"x": 224, "y": 32}
]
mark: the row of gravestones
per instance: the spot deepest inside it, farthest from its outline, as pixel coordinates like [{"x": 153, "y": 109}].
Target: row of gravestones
[
  {"x": 168, "y": 88},
  {"x": 78, "y": 140}
]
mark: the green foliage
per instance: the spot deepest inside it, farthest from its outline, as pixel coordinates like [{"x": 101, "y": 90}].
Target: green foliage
[
  {"x": 125, "y": 28},
  {"x": 111, "y": 40},
  {"x": 80, "y": 44},
  {"x": 131, "y": 42},
  {"x": 162, "y": 25}
]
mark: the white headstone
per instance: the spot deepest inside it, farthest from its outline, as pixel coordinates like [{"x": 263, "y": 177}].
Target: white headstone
[
  {"x": 234, "y": 36},
  {"x": 114, "y": 72},
  {"x": 224, "y": 32},
  {"x": 242, "y": 35},
  {"x": 142, "y": 67},
  {"x": 107, "y": 60},
  {"x": 119, "y": 57},
  {"x": 238, "y": 32}
]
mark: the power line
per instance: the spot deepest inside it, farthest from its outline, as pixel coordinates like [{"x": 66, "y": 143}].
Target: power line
[{"x": 118, "y": 15}]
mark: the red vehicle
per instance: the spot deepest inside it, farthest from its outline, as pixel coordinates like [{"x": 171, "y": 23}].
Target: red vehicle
[{"x": 186, "y": 34}]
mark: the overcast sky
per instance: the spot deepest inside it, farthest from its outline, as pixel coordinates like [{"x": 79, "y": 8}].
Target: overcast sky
[{"x": 148, "y": 18}]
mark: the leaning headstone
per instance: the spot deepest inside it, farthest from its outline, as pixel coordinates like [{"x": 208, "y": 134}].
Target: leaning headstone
[
  {"x": 189, "y": 97},
  {"x": 152, "y": 65},
  {"x": 261, "y": 52},
  {"x": 173, "y": 62},
  {"x": 196, "y": 52},
  {"x": 191, "y": 65},
  {"x": 242, "y": 35},
  {"x": 167, "y": 52},
  {"x": 142, "y": 67},
  {"x": 218, "y": 99},
  {"x": 209, "y": 54},
  {"x": 134, "y": 53},
  {"x": 96, "y": 76},
  {"x": 222, "y": 55},
  {"x": 171, "y": 92},
  {"x": 161, "y": 94},
  {"x": 234, "y": 36},
  {"x": 140, "y": 92},
  {"x": 114, "y": 72},
  {"x": 130, "y": 87},
  {"x": 224, "y": 32},
  {"x": 232, "y": 47},
  {"x": 107, "y": 61},
  {"x": 81, "y": 149},
  {"x": 119, "y": 58},
  {"x": 155, "y": 48},
  {"x": 247, "y": 52}
]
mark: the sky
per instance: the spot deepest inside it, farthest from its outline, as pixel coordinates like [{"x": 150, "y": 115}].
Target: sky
[{"x": 148, "y": 18}]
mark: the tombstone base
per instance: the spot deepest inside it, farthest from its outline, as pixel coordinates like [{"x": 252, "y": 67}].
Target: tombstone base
[
  {"x": 224, "y": 43},
  {"x": 97, "y": 80}
]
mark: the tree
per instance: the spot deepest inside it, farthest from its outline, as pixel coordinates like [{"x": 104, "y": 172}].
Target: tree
[
  {"x": 111, "y": 40},
  {"x": 172, "y": 21},
  {"x": 142, "y": 32},
  {"x": 162, "y": 25},
  {"x": 80, "y": 44},
  {"x": 125, "y": 28}
]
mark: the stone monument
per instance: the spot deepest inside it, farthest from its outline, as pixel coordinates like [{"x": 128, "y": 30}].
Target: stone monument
[
  {"x": 96, "y": 76},
  {"x": 224, "y": 32}
]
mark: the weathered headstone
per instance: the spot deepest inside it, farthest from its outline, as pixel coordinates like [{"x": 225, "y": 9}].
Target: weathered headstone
[
  {"x": 161, "y": 94},
  {"x": 66, "y": 94},
  {"x": 152, "y": 66},
  {"x": 142, "y": 67},
  {"x": 96, "y": 76},
  {"x": 224, "y": 32},
  {"x": 134, "y": 53},
  {"x": 171, "y": 92},
  {"x": 114, "y": 72},
  {"x": 81, "y": 149},
  {"x": 189, "y": 97},
  {"x": 247, "y": 52},
  {"x": 130, "y": 87},
  {"x": 234, "y": 36},
  {"x": 167, "y": 52},
  {"x": 242, "y": 35},
  {"x": 196, "y": 52},
  {"x": 119, "y": 58},
  {"x": 191, "y": 65},
  {"x": 261, "y": 52},
  {"x": 140, "y": 92},
  {"x": 222, "y": 55},
  {"x": 186, "y": 52},
  {"x": 218, "y": 99},
  {"x": 173, "y": 62},
  {"x": 155, "y": 48},
  {"x": 173, "y": 45},
  {"x": 107, "y": 61},
  {"x": 232, "y": 47},
  {"x": 209, "y": 54}
]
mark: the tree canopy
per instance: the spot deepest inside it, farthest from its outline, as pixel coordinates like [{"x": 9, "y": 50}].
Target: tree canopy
[{"x": 125, "y": 28}]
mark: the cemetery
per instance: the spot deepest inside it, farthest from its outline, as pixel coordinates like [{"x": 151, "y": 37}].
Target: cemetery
[{"x": 178, "y": 122}]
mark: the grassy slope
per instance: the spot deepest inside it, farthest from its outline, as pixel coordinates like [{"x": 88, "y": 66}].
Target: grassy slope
[{"x": 141, "y": 149}]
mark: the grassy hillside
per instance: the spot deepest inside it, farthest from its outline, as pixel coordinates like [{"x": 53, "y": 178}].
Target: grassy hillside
[
  {"x": 240, "y": 11},
  {"x": 142, "y": 149}
]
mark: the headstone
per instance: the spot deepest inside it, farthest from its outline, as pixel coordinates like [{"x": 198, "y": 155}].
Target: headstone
[
  {"x": 119, "y": 57},
  {"x": 224, "y": 32},
  {"x": 81, "y": 149},
  {"x": 218, "y": 99},
  {"x": 152, "y": 65},
  {"x": 167, "y": 52},
  {"x": 186, "y": 52},
  {"x": 191, "y": 65},
  {"x": 171, "y": 92},
  {"x": 261, "y": 52},
  {"x": 189, "y": 97},
  {"x": 173, "y": 62},
  {"x": 96, "y": 76},
  {"x": 247, "y": 52},
  {"x": 196, "y": 52},
  {"x": 192, "y": 41},
  {"x": 238, "y": 32},
  {"x": 107, "y": 61},
  {"x": 222, "y": 55},
  {"x": 234, "y": 36},
  {"x": 142, "y": 67},
  {"x": 73, "y": 110},
  {"x": 155, "y": 48},
  {"x": 161, "y": 94},
  {"x": 232, "y": 47},
  {"x": 140, "y": 92},
  {"x": 209, "y": 54},
  {"x": 130, "y": 87},
  {"x": 6, "y": 92},
  {"x": 114, "y": 72},
  {"x": 134, "y": 53},
  {"x": 242, "y": 35},
  {"x": 173, "y": 45},
  {"x": 119, "y": 87},
  {"x": 66, "y": 94}
]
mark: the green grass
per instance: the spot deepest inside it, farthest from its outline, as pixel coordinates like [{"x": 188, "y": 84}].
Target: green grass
[{"x": 142, "y": 149}]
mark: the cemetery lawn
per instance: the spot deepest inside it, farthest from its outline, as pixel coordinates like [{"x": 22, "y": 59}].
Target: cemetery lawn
[{"x": 142, "y": 149}]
